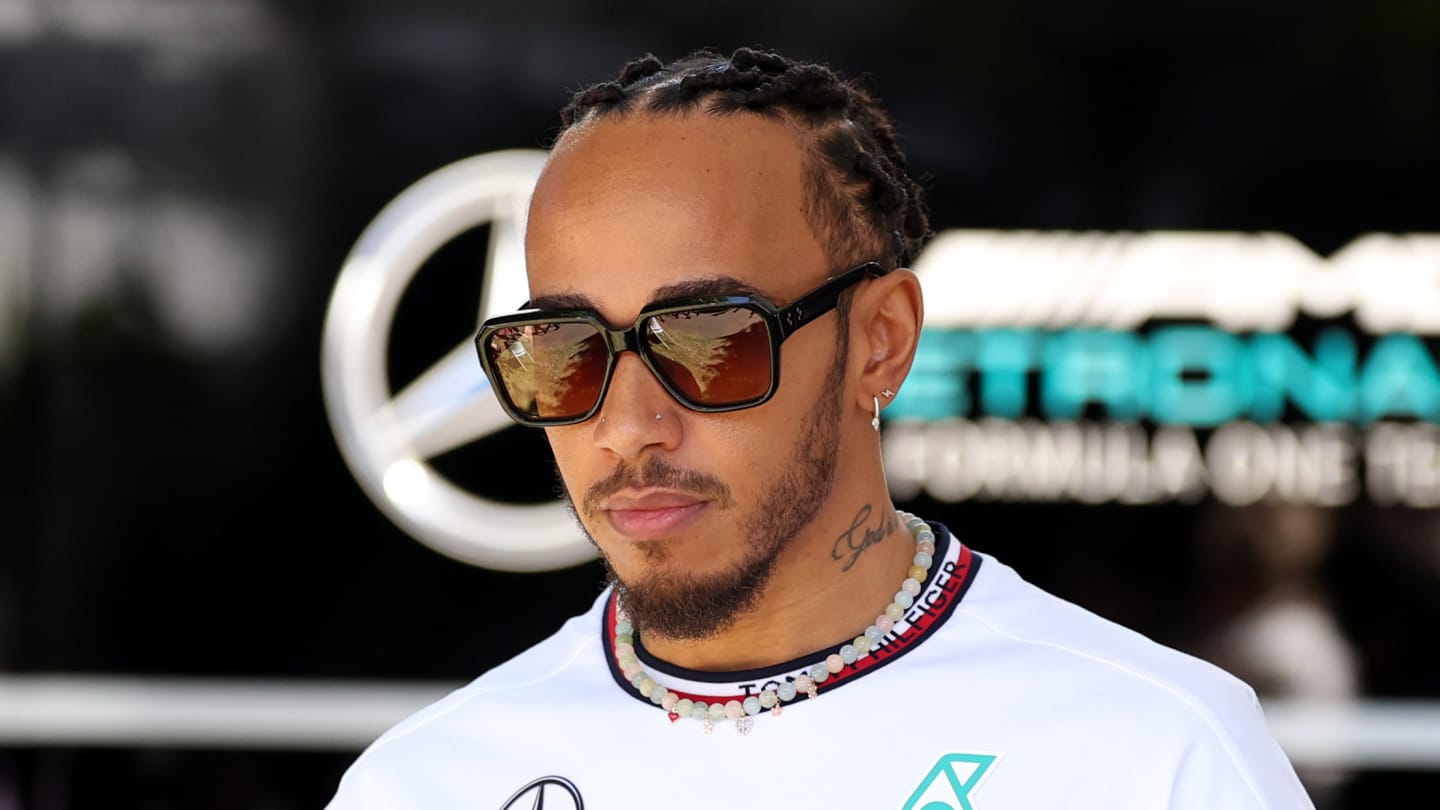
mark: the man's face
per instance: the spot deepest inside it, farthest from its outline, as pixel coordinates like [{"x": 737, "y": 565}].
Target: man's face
[{"x": 689, "y": 510}]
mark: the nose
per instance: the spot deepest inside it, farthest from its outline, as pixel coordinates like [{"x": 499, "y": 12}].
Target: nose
[{"x": 638, "y": 413}]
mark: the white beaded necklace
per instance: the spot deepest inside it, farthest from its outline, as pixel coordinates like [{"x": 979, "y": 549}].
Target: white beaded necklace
[{"x": 743, "y": 712}]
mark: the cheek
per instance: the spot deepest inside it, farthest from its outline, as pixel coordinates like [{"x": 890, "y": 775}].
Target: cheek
[
  {"x": 754, "y": 446},
  {"x": 568, "y": 449},
  {"x": 759, "y": 443},
  {"x": 805, "y": 372}
]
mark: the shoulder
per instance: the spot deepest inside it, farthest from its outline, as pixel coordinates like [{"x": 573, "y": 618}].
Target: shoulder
[
  {"x": 1043, "y": 627},
  {"x": 476, "y": 713},
  {"x": 1119, "y": 688}
]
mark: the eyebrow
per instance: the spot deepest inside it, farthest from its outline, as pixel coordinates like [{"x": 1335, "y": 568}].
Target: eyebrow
[{"x": 690, "y": 288}]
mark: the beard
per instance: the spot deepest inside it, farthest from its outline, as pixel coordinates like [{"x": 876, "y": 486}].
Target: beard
[{"x": 688, "y": 607}]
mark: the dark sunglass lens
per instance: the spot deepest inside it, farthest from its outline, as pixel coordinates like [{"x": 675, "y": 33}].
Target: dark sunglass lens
[
  {"x": 714, "y": 356},
  {"x": 550, "y": 371}
]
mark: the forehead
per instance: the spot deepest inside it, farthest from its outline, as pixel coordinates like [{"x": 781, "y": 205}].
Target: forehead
[{"x": 633, "y": 207}]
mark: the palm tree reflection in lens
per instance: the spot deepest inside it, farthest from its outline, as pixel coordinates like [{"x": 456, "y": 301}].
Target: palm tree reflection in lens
[
  {"x": 544, "y": 369},
  {"x": 702, "y": 351}
]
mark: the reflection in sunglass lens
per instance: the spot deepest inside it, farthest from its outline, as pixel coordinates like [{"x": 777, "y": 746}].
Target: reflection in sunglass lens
[
  {"x": 715, "y": 356},
  {"x": 550, "y": 370}
]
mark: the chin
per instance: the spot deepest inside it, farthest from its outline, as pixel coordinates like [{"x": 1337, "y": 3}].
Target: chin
[
  {"x": 678, "y": 599},
  {"x": 670, "y": 559}
]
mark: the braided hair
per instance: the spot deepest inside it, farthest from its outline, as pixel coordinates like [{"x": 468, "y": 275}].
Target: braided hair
[{"x": 866, "y": 204}]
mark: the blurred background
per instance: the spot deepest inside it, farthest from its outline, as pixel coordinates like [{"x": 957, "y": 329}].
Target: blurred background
[{"x": 181, "y": 182}]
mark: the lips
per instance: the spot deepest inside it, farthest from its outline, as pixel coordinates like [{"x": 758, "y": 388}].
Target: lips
[{"x": 654, "y": 514}]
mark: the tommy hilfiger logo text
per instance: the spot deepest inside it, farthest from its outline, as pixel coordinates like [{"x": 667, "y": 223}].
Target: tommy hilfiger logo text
[{"x": 919, "y": 620}]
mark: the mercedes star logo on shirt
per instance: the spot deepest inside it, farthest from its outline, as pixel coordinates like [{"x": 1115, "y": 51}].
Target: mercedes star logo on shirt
[{"x": 532, "y": 796}]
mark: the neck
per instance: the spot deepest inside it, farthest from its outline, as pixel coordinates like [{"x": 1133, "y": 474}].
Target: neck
[{"x": 827, "y": 587}]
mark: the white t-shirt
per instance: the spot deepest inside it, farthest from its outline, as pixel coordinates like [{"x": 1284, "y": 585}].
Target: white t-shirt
[{"x": 990, "y": 694}]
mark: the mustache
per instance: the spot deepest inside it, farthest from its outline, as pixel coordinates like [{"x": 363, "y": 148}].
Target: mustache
[{"x": 656, "y": 473}]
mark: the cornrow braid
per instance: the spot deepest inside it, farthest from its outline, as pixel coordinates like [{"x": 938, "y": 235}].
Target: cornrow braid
[{"x": 865, "y": 205}]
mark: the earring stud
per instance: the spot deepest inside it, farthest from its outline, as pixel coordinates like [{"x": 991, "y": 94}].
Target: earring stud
[{"x": 887, "y": 393}]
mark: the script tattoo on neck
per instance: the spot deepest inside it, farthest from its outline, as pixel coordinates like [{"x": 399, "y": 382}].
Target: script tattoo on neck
[{"x": 854, "y": 540}]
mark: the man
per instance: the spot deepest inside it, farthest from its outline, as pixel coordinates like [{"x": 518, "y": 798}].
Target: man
[{"x": 720, "y": 309}]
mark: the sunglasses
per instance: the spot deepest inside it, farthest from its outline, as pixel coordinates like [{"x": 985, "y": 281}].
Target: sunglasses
[{"x": 713, "y": 354}]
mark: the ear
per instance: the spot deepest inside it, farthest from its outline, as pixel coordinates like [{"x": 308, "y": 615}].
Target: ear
[{"x": 888, "y": 314}]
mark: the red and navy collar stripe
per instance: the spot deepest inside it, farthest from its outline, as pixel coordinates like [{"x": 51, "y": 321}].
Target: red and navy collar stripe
[{"x": 942, "y": 591}]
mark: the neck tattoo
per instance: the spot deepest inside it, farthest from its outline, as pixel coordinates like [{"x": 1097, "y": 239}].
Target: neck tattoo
[
  {"x": 743, "y": 712},
  {"x": 854, "y": 544}
]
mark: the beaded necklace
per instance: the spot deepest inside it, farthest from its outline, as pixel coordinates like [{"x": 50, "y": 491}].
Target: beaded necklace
[{"x": 772, "y": 699}]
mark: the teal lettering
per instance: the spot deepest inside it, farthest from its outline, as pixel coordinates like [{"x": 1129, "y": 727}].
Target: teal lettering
[
  {"x": 1006, "y": 358},
  {"x": 1322, "y": 388},
  {"x": 936, "y": 387},
  {"x": 1200, "y": 376},
  {"x": 1399, "y": 379},
  {"x": 1096, "y": 366}
]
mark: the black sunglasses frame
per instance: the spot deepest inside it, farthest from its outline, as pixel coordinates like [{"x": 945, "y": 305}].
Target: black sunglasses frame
[{"x": 780, "y": 324}]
